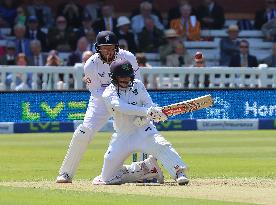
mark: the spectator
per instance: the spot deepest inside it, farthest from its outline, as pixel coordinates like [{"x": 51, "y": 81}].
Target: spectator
[
  {"x": 244, "y": 59},
  {"x": 20, "y": 16},
  {"x": 76, "y": 56},
  {"x": 36, "y": 59},
  {"x": 123, "y": 32},
  {"x": 150, "y": 38},
  {"x": 269, "y": 30},
  {"x": 229, "y": 45},
  {"x": 94, "y": 9},
  {"x": 21, "y": 82},
  {"x": 167, "y": 48},
  {"x": 270, "y": 61},
  {"x": 107, "y": 21},
  {"x": 61, "y": 37},
  {"x": 187, "y": 26},
  {"x": 8, "y": 12},
  {"x": 264, "y": 15},
  {"x": 10, "y": 54},
  {"x": 199, "y": 62},
  {"x": 87, "y": 25},
  {"x": 22, "y": 43},
  {"x": 43, "y": 13},
  {"x": 180, "y": 56},
  {"x": 54, "y": 60},
  {"x": 138, "y": 21},
  {"x": 174, "y": 12},
  {"x": 34, "y": 32},
  {"x": 142, "y": 60},
  {"x": 72, "y": 11},
  {"x": 154, "y": 11},
  {"x": 210, "y": 15}
]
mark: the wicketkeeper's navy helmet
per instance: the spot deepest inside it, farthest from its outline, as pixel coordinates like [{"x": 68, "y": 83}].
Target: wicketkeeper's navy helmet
[
  {"x": 106, "y": 38},
  {"x": 121, "y": 68}
]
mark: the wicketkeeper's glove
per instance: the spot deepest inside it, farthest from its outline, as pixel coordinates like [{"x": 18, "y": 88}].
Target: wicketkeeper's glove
[{"x": 155, "y": 114}]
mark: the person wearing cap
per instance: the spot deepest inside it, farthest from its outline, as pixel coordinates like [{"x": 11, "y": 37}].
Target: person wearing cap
[
  {"x": 166, "y": 48},
  {"x": 124, "y": 32},
  {"x": 229, "y": 45},
  {"x": 199, "y": 62},
  {"x": 33, "y": 32},
  {"x": 10, "y": 54}
]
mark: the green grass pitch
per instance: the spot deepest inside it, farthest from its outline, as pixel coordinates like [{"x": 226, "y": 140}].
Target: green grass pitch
[{"x": 209, "y": 154}]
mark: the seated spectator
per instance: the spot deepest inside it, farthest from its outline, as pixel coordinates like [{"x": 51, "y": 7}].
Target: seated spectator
[
  {"x": 61, "y": 37},
  {"x": 36, "y": 58},
  {"x": 180, "y": 57},
  {"x": 123, "y": 32},
  {"x": 43, "y": 13},
  {"x": 138, "y": 21},
  {"x": 76, "y": 56},
  {"x": 210, "y": 15},
  {"x": 167, "y": 47},
  {"x": 22, "y": 43},
  {"x": 107, "y": 21},
  {"x": 264, "y": 15},
  {"x": 94, "y": 9},
  {"x": 10, "y": 54},
  {"x": 244, "y": 59},
  {"x": 87, "y": 25},
  {"x": 270, "y": 61},
  {"x": 187, "y": 26},
  {"x": 174, "y": 12},
  {"x": 229, "y": 45},
  {"x": 269, "y": 30},
  {"x": 245, "y": 24},
  {"x": 72, "y": 11},
  {"x": 21, "y": 83},
  {"x": 199, "y": 62},
  {"x": 8, "y": 12},
  {"x": 21, "y": 16},
  {"x": 150, "y": 38},
  {"x": 142, "y": 60},
  {"x": 53, "y": 60},
  {"x": 34, "y": 32}
]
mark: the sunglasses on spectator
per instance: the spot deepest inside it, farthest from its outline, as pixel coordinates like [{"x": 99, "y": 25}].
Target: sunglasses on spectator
[{"x": 243, "y": 46}]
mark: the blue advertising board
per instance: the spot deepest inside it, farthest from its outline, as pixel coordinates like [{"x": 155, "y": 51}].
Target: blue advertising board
[{"x": 65, "y": 106}]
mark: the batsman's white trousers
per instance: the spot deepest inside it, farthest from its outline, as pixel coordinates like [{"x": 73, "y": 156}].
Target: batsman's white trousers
[
  {"x": 144, "y": 140},
  {"x": 95, "y": 118}
]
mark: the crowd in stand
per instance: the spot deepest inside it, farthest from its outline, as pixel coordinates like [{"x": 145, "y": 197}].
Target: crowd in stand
[{"x": 39, "y": 34}]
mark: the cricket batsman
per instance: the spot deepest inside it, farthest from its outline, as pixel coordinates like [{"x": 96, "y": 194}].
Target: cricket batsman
[
  {"x": 97, "y": 69},
  {"x": 134, "y": 112}
]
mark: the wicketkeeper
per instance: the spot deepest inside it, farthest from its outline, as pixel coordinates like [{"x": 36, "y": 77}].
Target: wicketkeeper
[{"x": 133, "y": 112}]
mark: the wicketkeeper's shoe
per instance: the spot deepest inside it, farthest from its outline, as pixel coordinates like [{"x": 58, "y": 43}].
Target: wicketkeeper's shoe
[
  {"x": 182, "y": 179},
  {"x": 64, "y": 178},
  {"x": 155, "y": 169}
]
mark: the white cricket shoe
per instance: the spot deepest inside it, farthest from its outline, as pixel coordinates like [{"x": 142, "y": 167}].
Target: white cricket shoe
[
  {"x": 64, "y": 178},
  {"x": 182, "y": 179},
  {"x": 155, "y": 169}
]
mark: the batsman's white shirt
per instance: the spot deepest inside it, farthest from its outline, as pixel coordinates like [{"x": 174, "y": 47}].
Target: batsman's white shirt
[
  {"x": 97, "y": 78},
  {"x": 125, "y": 106}
]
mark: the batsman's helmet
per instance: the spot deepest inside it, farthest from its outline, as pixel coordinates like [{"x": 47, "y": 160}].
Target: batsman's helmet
[
  {"x": 106, "y": 38},
  {"x": 121, "y": 68}
]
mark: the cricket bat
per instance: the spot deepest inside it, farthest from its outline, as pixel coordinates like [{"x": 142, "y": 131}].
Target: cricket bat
[{"x": 188, "y": 105}]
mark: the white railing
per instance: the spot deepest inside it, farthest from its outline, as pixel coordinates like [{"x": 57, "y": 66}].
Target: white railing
[{"x": 48, "y": 77}]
